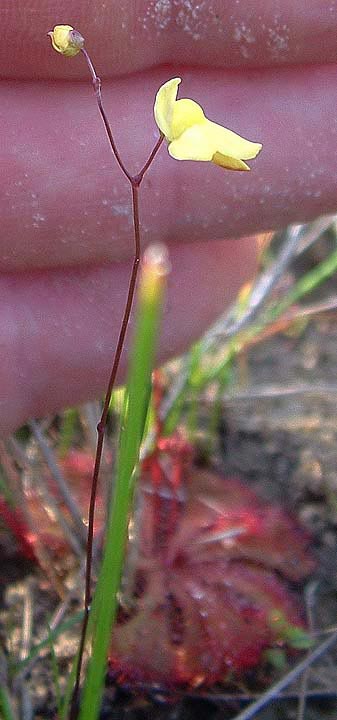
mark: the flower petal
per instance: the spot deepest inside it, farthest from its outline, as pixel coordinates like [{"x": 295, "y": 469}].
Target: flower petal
[
  {"x": 209, "y": 141},
  {"x": 164, "y": 106},
  {"x": 191, "y": 136},
  {"x": 186, "y": 113},
  {"x": 229, "y": 143},
  {"x": 193, "y": 144}
]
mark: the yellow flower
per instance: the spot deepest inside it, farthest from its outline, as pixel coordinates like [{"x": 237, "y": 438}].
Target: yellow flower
[
  {"x": 191, "y": 136},
  {"x": 66, "y": 40}
]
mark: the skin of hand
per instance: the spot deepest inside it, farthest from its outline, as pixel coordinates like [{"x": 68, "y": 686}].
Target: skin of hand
[{"x": 264, "y": 69}]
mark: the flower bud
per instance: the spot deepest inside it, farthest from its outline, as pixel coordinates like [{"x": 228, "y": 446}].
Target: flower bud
[{"x": 66, "y": 40}]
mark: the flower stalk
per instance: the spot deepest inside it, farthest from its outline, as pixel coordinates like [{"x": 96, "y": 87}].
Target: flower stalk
[
  {"x": 69, "y": 42},
  {"x": 190, "y": 136}
]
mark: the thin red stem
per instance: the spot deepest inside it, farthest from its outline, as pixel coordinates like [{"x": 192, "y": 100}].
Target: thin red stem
[
  {"x": 139, "y": 177},
  {"x": 135, "y": 182},
  {"x": 97, "y": 83}
]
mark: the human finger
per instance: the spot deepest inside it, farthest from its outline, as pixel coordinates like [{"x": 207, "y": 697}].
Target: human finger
[
  {"x": 127, "y": 37},
  {"x": 58, "y": 328},
  {"x": 63, "y": 200}
]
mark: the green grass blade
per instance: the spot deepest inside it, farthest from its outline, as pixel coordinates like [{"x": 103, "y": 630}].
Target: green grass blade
[
  {"x": 6, "y": 710},
  {"x": 55, "y": 672},
  {"x": 5, "y": 491},
  {"x": 306, "y": 284},
  {"x": 189, "y": 373},
  {"x": 53, "y": 634},
  {"x": 67, "y": 430},
  {"x": 309, "y": 282},
  {"x": 134, "y": 414}
]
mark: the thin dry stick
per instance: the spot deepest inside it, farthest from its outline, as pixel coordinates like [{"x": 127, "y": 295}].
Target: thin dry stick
[
  {"x": 297, "y": 238},
  {"x": 60, "y": 481},
  {"x": 271, "y": 391},
  {"x": 26, "y": 462},
  {"x": 265, "y": 284},
  {"x": 310, "y": 597},
  {"x": 274, "y": 691},
  {"x": 135, "y": 182},
  {"x": 48, "y": 497},
  {"x": 54, "y": 623},
  {"x": 228, "y": 325},
  {"x": 90, "y": 416},
  {"x": 27, "y": 619},
  {"x": 12, "y": 475},
  {"x": 314, "y": 231},
  {"x": 43, "y": 557}
]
